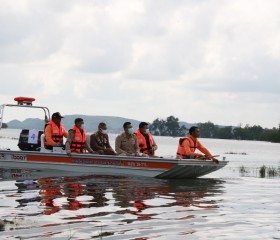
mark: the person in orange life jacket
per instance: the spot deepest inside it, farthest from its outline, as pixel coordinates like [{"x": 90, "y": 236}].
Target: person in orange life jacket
[
  {"x": 188, "y": 145},
  {"x": 99, "y": 141},
  {"x": 76, "y": 140},
  {"x": 145, "y": 139},
  {"x": 54, "y": 132}
]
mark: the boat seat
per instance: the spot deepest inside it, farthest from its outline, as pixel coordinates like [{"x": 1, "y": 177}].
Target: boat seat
[
  {"x": 43, "y": 149},
  {"x": 55, "y": 149}
]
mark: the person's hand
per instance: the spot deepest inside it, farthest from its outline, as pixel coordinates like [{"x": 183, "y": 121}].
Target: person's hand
[
  {"x": 58, "y": 145},
  {"x": 68, "y": 152},
  {"x": 215, "y": 160},
  {"x": 92, "y": 152},
  {"x": 151, "y": 150}
]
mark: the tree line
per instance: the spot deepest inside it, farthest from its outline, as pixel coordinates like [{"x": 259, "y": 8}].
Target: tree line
[
  {"x": 171, "y": 127},
  {"x": 168, "y": 127}
]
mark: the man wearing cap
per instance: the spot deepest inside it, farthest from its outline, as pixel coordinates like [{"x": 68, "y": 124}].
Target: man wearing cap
[{"x": 54, "y": 132}]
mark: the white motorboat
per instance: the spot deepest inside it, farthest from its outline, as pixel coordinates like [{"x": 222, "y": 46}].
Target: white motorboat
[{"x": 39, "y": 158}]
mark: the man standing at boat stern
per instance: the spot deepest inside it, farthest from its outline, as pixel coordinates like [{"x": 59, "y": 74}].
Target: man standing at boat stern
[
  {"x": 126, "y": 143},
  {"x": 145, "y": 139},
  {"x": 54, "y": 132},
  {"x": 76, "y": 140},
  {"x": 188, "y": 145}
]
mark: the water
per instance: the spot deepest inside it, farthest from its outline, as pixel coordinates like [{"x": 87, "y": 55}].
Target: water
[{"x": 226, "y": 204}]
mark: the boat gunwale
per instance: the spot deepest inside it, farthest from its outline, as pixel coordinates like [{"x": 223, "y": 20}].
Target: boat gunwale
[
  {"x": 116, "y": 157},
  {"x": 82, "y": 165},
  {"x": 92, "y": 156}
]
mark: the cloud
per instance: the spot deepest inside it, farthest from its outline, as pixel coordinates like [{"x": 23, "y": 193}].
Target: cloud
[
  {"x": 198, "y": 60},
  {"x": 26, "y": 32}
]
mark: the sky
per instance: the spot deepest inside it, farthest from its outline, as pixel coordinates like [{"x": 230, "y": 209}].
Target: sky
[{"x": 198, "y": 60}]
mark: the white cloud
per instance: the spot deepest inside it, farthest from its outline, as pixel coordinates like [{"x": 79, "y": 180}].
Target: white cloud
[{"x": 198, "y": 60}]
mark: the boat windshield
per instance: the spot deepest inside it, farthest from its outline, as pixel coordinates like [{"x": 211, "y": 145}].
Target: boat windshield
[{"x": 2, "y": 107}]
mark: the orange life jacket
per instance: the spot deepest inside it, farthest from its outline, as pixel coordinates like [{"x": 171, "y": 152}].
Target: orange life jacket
[
  {"x": 49, "y": 191},
  {"x": 142, "y": 142},
  {"x": 75, "y": 189},
  {"x": 181, "y": 151},
  {"x": 79, "y": 141},
  {"x": 57, "y": 132},
  {"x": 139, "y": 204},
  {"x": 73, "y": 204},
  {"x": 51, "y": 210}
]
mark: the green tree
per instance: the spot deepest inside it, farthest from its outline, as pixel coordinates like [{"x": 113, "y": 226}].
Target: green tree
[
  {"x": 224, "y": 132},
  {"x": 268, "y": 134},
  {"x": 255, "y": 132},
  {"x": 207, "y": 129},
  {"x": 272, "y": 135},
  {"x": 168, "y": 127},
  {"x": 238, "y": 133},
  {"x": 157, "y": 127}
]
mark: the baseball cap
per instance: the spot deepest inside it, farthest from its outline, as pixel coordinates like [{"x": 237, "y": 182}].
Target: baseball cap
[{"x": 56, "y": 115}]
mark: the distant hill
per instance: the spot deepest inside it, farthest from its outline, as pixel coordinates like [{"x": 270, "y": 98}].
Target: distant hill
[
  {"x": 114, "y": 124},
  {"x": 35, "y": 123}
]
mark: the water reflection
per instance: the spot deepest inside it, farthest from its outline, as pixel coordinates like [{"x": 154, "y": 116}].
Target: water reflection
[
  {"x": 120, "y": 199},
  {"x": 49, "y": 191}
]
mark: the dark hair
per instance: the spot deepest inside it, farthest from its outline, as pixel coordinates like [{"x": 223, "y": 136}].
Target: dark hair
[
  {"x": 102, "y": 124},
  {"x": 143, "y": 124},
  {"x": 78, "y": 120},
  {"x": 126, "y": 124},
  {"x": 192, "y": 129}
]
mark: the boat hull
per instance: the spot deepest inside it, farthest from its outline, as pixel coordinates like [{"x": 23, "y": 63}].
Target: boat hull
[{"x": 109, "y": 165}]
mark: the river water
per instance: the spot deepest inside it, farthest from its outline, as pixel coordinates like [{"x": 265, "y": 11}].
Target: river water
[{"x": 232, "y": 203}]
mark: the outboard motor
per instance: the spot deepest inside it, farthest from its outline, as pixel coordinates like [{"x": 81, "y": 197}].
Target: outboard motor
[{"x": 29, "y": 140}]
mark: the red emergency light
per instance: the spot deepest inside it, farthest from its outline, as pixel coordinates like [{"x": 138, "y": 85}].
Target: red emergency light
[{"x": 24, "y": 100}]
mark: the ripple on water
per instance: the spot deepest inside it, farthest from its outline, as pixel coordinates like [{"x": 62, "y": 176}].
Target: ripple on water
[
  {"x": 222, "y": 205},
  {"x": 90, "y": 206}
]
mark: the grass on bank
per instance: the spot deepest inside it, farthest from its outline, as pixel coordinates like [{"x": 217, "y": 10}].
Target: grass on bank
[
  {"x": 237, "y": 153},
  {"x": 262, "y": 172}
]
